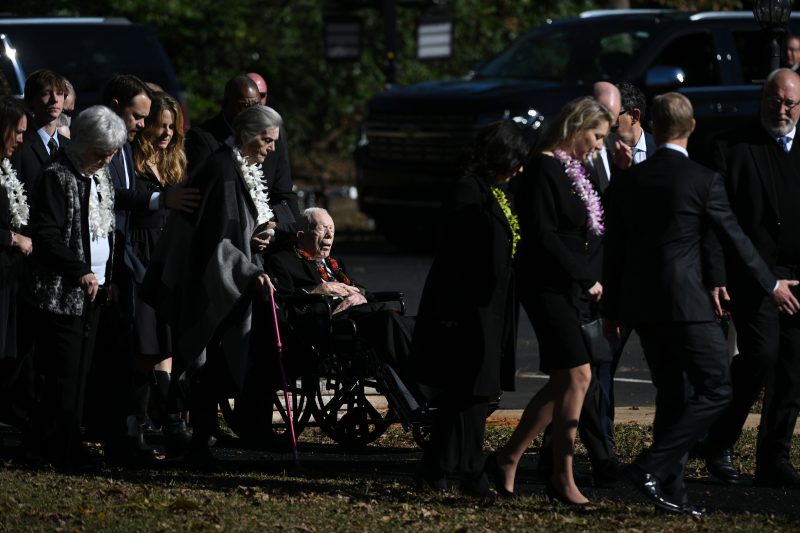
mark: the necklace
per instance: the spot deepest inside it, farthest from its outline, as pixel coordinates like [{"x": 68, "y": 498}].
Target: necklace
[
  {"x": 254, "y": 180},
  {"x": 17, "y": 200},
  {"x": 513, "y": 222},
  {"x": 583, "y": 188},
  {"x": 101, "y": 206},
  {"x": 338, "y": 273}
]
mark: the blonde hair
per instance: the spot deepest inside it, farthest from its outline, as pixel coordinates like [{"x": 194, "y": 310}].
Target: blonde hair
[
  {"x": 171, "y": 162},
  {"x": 672, "y": 116},
  {"x": 577, "y": 116}
]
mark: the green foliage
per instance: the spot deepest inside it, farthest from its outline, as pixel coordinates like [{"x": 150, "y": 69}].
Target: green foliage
[{"x": 209, "y": 41}]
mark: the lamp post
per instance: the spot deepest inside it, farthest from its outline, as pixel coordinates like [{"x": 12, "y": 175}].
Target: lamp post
[{"x": 772, "y": 16}]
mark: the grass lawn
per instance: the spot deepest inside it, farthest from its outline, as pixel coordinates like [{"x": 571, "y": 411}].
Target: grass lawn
[{"x": 370, "y": 490}]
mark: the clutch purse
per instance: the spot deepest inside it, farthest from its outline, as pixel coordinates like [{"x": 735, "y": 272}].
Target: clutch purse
[{"x": 601, "y": 349}]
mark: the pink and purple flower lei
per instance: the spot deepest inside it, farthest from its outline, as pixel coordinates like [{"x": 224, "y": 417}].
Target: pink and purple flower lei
[{"x": 579, "y": 175}]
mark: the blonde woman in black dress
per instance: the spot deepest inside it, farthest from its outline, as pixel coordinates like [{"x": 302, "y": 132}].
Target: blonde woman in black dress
[{"x": 558, "y": 273}]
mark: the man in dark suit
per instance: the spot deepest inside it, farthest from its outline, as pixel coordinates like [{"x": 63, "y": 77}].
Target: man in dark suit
[
  {"x": 45, "y": 91},
  {"x": 242, "y": 92},
  {"x": 653, "y": 279},
  {"x": 761, "y": 165},
  {"x": 118, "y": 383}
]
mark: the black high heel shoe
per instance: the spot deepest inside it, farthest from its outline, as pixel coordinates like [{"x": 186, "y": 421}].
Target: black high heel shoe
[
  {"x": 553, "y": 496},
  {"x": 494, "y": 470}
]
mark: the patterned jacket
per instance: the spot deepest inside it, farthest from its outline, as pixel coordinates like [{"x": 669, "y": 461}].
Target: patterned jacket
[{"x": 61, "y": 250}]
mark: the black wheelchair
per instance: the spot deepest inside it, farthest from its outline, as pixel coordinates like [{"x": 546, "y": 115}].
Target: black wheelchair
[{"x": 334, "y": 376}]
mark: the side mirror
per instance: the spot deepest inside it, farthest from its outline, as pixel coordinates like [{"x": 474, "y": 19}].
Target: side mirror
[{"x": 663, "y": 78}]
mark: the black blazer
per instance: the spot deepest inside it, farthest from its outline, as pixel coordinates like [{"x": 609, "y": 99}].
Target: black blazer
[
  {"x": 33, "y": 158},
  {"x": 291, "y": 274},
  {"x": 656, "y": 217},
  {"x": 556, "y": 251},
  {"x": 204, "y": 140},
  {"x": 742, "y": 158}
]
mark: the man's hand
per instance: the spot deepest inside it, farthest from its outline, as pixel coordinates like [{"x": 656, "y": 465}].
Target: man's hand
[
  {"x": 264, "y": 285},
  {"x": 22, "y": 243},
  {"x": 623, "y": 155},
  {"x": 350, "y": 301},
  {"x": 335, "y": 288},
  {"x": 784, "y": 298},
  {"x": 595, "y": 292},
  {"x": 719, "y": 295},
  {"x": 89, "y": 285},
  {"x": 182, "y": 199}
]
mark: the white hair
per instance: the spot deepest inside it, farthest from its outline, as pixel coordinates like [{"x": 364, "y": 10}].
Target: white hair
[
  {"x": 97, "y": 128},
  {"x": 309, "y": 213},
  {"x": 254, "y": 121}
]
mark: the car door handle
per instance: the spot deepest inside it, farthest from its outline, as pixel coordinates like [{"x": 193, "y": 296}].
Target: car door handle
[{"x": 719, "y": 107}]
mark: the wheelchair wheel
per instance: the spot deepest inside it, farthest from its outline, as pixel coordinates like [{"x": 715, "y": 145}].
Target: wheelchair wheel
[
  {"x": 268, "y": 430},
  {"x": 422, "y": 434},
  {"x": 345, "y": 413}
]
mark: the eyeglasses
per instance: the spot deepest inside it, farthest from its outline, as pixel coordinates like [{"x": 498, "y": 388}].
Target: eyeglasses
[
  {"x": 244, "y": 104},
  {"x": 777, "y": 103},
  {"x": 623, "y": 111},
  {"x": 262, "y": 95}
]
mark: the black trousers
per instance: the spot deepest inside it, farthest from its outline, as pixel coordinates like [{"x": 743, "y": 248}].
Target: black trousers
[
  {"x": 769, "y": 356},
  {"x": 457, "y": 437},
  {"x": 689, "y": 367},
  {"x": 63, "y": 357}
]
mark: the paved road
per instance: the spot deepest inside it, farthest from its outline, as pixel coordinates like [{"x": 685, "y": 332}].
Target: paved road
[{"x": 386, "y": 267}]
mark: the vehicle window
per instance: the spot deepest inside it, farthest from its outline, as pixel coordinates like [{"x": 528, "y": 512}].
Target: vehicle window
[
  {"x": 750, "y": 48},
  {"x": 567, "y": 54},
  {"x": 90, "y": 55},
  {"x": 696, "y": 55}
]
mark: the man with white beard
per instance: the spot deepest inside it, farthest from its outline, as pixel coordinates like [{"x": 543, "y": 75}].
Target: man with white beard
[{"x": 761, "y": 166}]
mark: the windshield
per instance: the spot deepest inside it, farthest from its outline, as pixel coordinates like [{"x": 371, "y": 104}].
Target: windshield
[{"x": 587, "y": 52}]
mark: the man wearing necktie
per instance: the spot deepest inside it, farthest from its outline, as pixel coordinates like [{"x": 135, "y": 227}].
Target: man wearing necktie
[
  {"x": 45, "y": 92},
  {"x": 761, "y": 166}
]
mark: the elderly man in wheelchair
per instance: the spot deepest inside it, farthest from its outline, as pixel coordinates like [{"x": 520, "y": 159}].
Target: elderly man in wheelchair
[{"x": 360, "y": 340}]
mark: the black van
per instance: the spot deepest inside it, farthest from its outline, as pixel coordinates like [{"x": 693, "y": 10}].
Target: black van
[
  {"x": 413, "y": 137},
  {"x": 88, "y": 51}
]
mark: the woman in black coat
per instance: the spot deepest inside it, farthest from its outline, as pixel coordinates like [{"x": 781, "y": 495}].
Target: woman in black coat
[
  {"x": 561, "y": 223},
  {"x": 464, "y": 338},
  {"x": 14, "y": 244}
]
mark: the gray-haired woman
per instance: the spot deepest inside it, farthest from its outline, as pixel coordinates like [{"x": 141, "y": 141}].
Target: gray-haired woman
[
  {"x": 207, "y": 267},
  {"x": 73, "y": 225}
]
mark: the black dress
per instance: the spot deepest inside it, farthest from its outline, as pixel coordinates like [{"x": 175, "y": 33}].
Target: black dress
[
  {"x": 8, "y": 283},
  {"x": 464, "y": 339},
  {"x": 559, "y": 260},
  {"x": 152, "y": 335}
]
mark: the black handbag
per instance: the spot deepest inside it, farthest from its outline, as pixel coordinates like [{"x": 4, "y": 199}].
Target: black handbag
[{"x": 601, "y": 348}]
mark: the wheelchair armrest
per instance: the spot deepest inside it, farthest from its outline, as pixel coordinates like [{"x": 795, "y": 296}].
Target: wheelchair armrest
[{"x": 391, "y": 296}]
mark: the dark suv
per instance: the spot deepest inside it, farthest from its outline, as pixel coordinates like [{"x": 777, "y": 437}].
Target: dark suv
[
  {"x": 88, "y": 51},
  {"x": 414, "y": 137}
]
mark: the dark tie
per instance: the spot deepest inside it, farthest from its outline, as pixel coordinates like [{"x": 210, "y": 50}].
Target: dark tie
[
  {"x": 52, "y": 146},
  {"x": 600, "y": 170},
  {"x": 784, "y": 142}
]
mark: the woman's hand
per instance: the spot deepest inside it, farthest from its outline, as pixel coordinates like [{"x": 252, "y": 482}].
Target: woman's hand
[
  {"x": 261, "y": 239},
  {"x": 595, "y": 292},
  {"x": 89, "y": 285},
  {"x": 264, "y": 285},
  {"x": 22, "y": 243}
]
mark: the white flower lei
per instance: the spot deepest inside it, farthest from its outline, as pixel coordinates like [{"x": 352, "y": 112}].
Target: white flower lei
[
  {"x": 17, "y": 200},
  {"x": 101, "y": 213},
  {"x": 254, "y": 179}
]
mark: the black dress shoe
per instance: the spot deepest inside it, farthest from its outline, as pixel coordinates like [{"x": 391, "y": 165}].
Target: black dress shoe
[
  {"x": 606, "y": 473},
  {"x": 720, "y": 466},
  {"x": 177, "y": 438},
  {"x": 433, "y": 482},
  {"x": 477, "y": 486},
  {"x": 781, "y": 475},
  {"x": 648, "y": 485},
  {"x": 691, "y": 510},
  {"x": 493, "y": 469}
]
